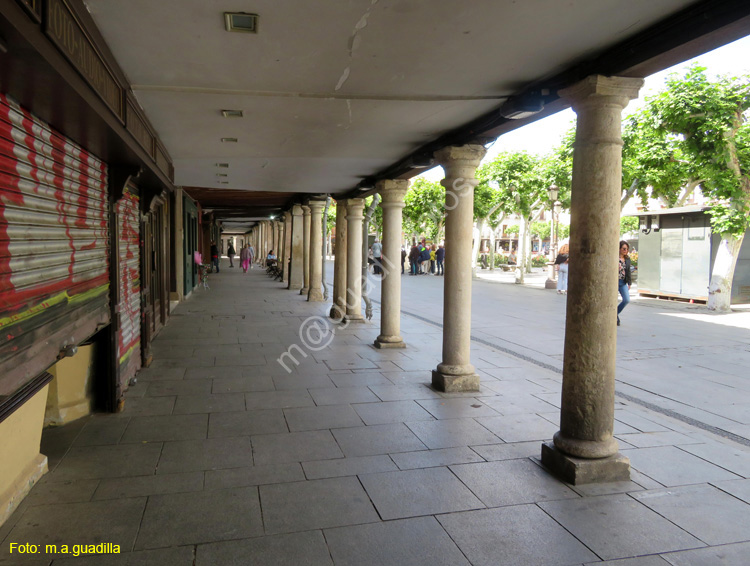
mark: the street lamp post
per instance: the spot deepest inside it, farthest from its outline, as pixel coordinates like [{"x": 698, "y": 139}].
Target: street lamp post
[{"x": 553, "y": 193}]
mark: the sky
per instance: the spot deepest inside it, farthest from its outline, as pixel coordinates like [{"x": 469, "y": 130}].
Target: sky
[{"x": 541, "y": 136}]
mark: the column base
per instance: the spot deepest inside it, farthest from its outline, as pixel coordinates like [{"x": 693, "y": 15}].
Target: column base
[
  {"x": 304, "y": 291},
  {"x": 315, "y": 296},
  {"x": 337, "y": 313},
  {"x": 550, "y": 284},
  {"x": 455, "y": 383},
  {"x": 354, "y": 318},
  {"x": 578, "y": 471},
  {"x": 294, "y": 287},
  {"x": 389, "y": 342}
]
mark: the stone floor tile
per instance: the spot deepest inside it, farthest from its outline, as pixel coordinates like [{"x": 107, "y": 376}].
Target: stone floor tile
[
  {"x": 278, "y": 399},
  {"x": 616, "y": 526},
  {"x": 214, "y": 372},
  {"x": 193, "y": 518},
  {"x": 638, "y": 422},
  {"x": 46, "y": 493},
  {"x": 348, "y": 467},
  {"x": 732, "y": 457},
  {"x": 606, "y": 488},
  {"x": 412, "y": 493},
  {"x": 319, "y": 418},
  {"x": 166, "y": 427},
  {"x": 89, "y": 462},
  {"x": 513, "y": 536},
  {"x": 194, "y": 362},
  {"x": 295, "y": 549},
  {"x": 434, "y": 458},
  {"x": 139, "y": 486},
  {"x": 728, "y": 555},
  {"x": 738, "y": 488},
  {"x": 146, "y": 406},
  {"x": 509, "y": 451},
  {"x": 342, "y": 395},
  {"x": 242, "y": 384},
  {"x": 176, "y": 556},
  {"x": 341, "y": 362},
  {"x": 468, "y": 407},
  {"x": 404, "y": 392},
  {"x": 511, "y": 482},
  {"x": 358, "y": 379},
  {"x": 704, "y": 511},
  {"x": 450, "y": 433},
  {"x": 377, "y": 439},
  {"x": 220, "y": 403},
  {"x": 253, "y": 475},
  {"x": 672, "y": 466},
  {"x": 520, "y": 427},
  {"x": 211, "y": 454},
  {"x": 391, "y": 412},
  {"x": 178, "y": 387},
  {"x": 246, "y": 423},
  {"x": 652, "y": 560},
  {"x": 413, "y": 542},
  {"x": 101, "y": 430},
  {"x": 116, "y": 522},
  {"x": 156, "y": 374},
  {"x": 295, "y": 381},
  {"x": 650, "y": 439},
  {"x": 333, "y": 502},
  {"x": 295, "y": 447},
  {"x": 255, "y": 359}
]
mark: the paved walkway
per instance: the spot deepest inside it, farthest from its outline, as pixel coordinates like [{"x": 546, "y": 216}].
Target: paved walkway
[{"x": 222, "y": 457}]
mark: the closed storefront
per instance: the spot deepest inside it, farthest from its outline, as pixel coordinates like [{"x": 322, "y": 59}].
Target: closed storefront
[{"x": 54, "y": 276}]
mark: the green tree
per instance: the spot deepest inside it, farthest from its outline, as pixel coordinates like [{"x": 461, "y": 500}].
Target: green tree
[
  {"x": 424, "y": 210},
  {"x": 628, "y": 224},
  {"x": 704, "y": 123}
]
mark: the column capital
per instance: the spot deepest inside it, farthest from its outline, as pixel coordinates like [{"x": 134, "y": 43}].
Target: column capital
[
  {"x": 469, "y": 155},
  {"x": 392, "y": 191},
  {"x": 354, "y": 208},
  {"x": 603, "y": 90},
  {"x": 305, "y": 210},
  {"x": 296, "y": 210},
  {"x": 316, "y": 205},
  {"x": 341, "y": 203}
]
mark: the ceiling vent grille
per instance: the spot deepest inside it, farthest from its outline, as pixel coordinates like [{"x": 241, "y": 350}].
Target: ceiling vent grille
[
  {"x": 232, "y": 113},
  {"x": 240, "y": 21},
  {"x": 228, "y": 140}
]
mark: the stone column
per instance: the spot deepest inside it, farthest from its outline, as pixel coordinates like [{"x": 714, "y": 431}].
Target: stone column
[
  {"x": 584, "y": 449},
  {"x": 315, "y": 292},
  {"x": 296, "y": 277},
  {"x": 287, "y": 244},
  {"x": 354, "y": 217},
  {"x": 276, "y": 238},
  {"x": 338, "y": 309},
  {"x": 392, "y": 192},
  {"x": 455, "y": 372},
  {"x": 305, "y": 250}
]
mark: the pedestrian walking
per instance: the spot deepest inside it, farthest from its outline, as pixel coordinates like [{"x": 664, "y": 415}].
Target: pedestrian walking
[
  {"x": 414, "y": 260},
  {"x": 439, "y": 258},
  {"x": 230, "y": 253},
  {"x": 424, "y": 258},
  {"x": 251, "y": 250},
  {"x": 403, "y": 259},
  {"x": 215, "y": 256},
  {"x": 433, "y": 258},
  {"x": 377, "y": 257},
  {"x": 624, "y": 279},
  {"x": 246, "y": 258},
  {"x": 561, "y": 262}
]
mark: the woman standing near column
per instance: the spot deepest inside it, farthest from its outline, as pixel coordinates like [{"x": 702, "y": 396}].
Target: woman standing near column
[
  {"x": 561, "y": 261},
  {"x": 624, "y": 280}
]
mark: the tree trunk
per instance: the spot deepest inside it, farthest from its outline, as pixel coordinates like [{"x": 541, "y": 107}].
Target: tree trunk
[
  {"x": 478, "y": 226},
  {"x": 521, "y": 252},
  {"x": 720, "y": 288},
  {"x": 527, "y": 264},
  {"x": 492, "y": 249}
]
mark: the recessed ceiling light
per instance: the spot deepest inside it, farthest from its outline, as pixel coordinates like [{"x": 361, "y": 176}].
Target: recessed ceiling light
[
  {"x": 231, "y": 113},
  {"x": 222, "y": 175},
  {"x": 222, "y": 164},
  {"x": 241, "y": 21},
  {"x": 224, "y": 182},
  {"x": 228, "y": 140}
]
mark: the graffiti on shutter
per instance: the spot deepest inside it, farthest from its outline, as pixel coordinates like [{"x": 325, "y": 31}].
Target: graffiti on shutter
[
  {"x": 129, "y": 277},
  {"x": 54, "y": 271}
]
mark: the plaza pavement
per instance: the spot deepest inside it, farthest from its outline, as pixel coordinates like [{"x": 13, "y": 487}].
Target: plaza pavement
[{"x": 222, "y": 457}]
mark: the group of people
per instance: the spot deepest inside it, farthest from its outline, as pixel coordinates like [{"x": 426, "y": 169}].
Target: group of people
[
  {"x": 247, "y": 256},
  {"x": 624, "y": 278},
  {"x": 424, "y": 259}
]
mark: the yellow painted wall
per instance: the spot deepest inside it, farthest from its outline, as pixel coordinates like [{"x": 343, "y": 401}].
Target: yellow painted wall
[
  {"x": 70, "y": 392},
  {"x": 23, "y": 465}
]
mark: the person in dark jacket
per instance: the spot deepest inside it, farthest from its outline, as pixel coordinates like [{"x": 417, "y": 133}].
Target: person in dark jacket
[
  {"x": 439, "y": 258},
  {"x": 414, "y": 259},
  {"x": 624, "y": 279},
  {"x": 231, "y": 253},
  {"x": 403, "y": 259},
  {"x": 215, "y": 256}
]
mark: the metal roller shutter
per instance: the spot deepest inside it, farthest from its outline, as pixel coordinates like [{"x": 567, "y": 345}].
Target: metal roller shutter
[
  {"x": 127, "y": 211},
  {"x": 54, "y": 272}
]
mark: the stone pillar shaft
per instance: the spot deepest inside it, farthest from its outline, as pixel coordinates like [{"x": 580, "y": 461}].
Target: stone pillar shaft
[
  {"x": 305, "y": 249},
  {"x": 315, "y": 292},
  {"x": 296, "y": 276},
  {"x": 354, "y": 217},
  {"x": 287, "y": 245},
  {"x": 392, "y": 193},
  {"x": 338, "y": 310},
  {"x": 456, "y": 373},
  {"x": 587, "y": 410}
]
